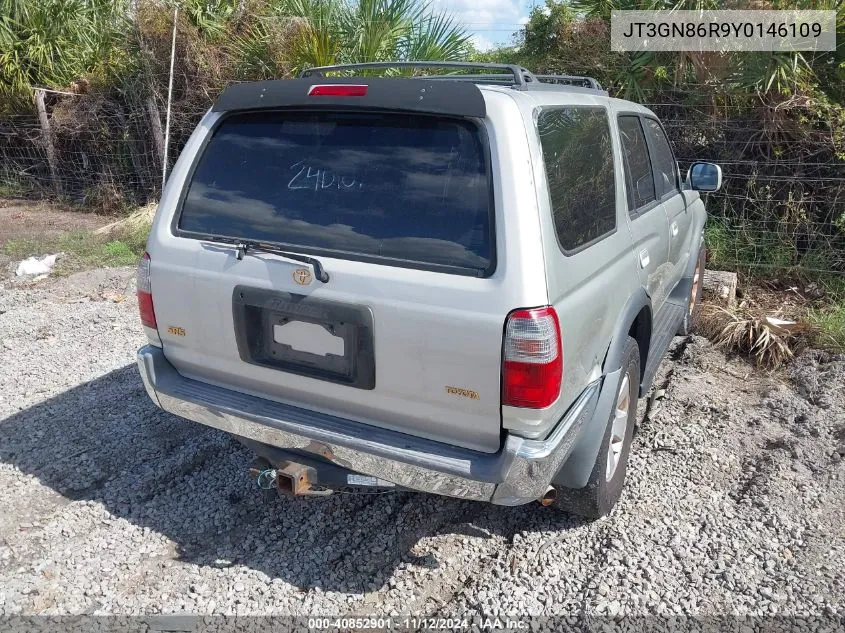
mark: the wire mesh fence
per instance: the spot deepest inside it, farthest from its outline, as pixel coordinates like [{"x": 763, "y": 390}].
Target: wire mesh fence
[
  {"x": 101, "y": 156},
  {"x": 781, "y": 207}
]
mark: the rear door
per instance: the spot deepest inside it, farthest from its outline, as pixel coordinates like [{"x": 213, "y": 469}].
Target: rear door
[
  {"x": 668, "y": 191},
  {"x": 648, "y": 220},
  {"x": 400, "y": 209}
]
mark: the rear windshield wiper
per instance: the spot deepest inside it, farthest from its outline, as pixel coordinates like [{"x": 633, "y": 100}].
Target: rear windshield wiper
[{"x": 242, "y": 247}]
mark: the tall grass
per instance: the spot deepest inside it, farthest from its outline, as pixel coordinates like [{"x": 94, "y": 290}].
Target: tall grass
[{"x": 829, "y": 323}]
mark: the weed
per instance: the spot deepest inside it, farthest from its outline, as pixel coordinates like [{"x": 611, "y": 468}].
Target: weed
[
  {"x": 734, "y": 246},
  {"x": 23, "y": 247},
  {"x": 12, "y": 187},
  {"x": 829, "y": 325},
  {"x": 118, "y": 249},
  {"x": 82, "y": 249}
]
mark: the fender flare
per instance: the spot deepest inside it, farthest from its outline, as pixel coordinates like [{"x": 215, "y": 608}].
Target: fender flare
[
  {"x": 632, "y": 307},
  {"x": 575, "y": 472}
]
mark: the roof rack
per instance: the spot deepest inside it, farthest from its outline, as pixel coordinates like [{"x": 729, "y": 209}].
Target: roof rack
[
  {"x": 515, "y": 76},
  {"x": 570, "y": 80},
  {"x": 521, "y": 76}
]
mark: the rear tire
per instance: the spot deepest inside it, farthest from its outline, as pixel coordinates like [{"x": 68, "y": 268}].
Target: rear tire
[
  {"x": 604, "y": 486},
  {"x": 694, "y": 300}
]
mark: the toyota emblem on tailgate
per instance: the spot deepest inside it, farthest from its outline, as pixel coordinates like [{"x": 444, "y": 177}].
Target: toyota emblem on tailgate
[{"x": 302, "y": 276}]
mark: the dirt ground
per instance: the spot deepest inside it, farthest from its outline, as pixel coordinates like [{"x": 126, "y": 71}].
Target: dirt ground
[{"x": 25, "y": 219}]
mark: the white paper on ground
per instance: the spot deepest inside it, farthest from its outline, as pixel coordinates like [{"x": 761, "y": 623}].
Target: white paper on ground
[{"x": 36, "y": 266}]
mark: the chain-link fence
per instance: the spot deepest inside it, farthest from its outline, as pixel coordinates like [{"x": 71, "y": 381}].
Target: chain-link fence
[{"x": 781, "y": 207}]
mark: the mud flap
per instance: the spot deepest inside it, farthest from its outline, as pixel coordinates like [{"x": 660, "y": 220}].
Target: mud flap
[{"x": 575, "y": 472}]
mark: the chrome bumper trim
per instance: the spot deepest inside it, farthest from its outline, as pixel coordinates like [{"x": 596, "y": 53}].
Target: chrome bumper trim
[{"x": 519, "y": 473}]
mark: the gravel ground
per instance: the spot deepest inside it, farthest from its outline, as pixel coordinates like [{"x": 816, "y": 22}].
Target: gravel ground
[{"x": 734, "y": 502}]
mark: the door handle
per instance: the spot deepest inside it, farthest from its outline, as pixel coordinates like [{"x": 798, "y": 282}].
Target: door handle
[
  {"x": 644, "y": 258},
  {"x": 674, "y": 227}
]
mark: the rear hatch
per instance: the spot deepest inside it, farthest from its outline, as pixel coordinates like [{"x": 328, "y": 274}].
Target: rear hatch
[{"x": 398, "y": 208}]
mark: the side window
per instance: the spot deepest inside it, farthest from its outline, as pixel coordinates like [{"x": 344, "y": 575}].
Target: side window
[
  {"x": 578, "y": 155},
  {"x": 663, "y": 161},
  {"x": 639, "y": 181}
]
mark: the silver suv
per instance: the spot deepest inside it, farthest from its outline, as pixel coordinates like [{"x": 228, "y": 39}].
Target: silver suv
[{"x": 457, "y": 283}]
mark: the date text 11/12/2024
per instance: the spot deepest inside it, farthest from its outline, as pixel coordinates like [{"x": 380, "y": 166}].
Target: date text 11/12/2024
[{"x": 412, "y": 623}]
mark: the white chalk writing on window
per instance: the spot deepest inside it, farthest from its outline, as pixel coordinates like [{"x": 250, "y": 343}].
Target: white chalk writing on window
[{"x": 317, "y": 179}]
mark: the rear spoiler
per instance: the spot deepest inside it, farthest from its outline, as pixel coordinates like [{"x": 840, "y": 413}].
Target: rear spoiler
[{"x": 453, "y": 98}]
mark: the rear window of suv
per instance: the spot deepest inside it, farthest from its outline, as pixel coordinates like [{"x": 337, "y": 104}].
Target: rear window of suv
[{"x": 397, "y": 189}]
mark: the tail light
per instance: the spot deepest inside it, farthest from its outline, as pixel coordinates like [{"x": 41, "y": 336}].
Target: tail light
[
  {"x": 532, "y": 359},
  {"x": 338, "y": 90},
  {"x": 145, "y": 295}
]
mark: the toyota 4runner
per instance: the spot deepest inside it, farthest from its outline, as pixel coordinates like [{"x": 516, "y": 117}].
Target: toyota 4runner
[{"x": 455, "y": 283}]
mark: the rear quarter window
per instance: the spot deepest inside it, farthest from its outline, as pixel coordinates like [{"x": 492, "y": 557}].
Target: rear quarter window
[
  {"x": 398, "y": 189},
  {"x": 578, "y": 156}
]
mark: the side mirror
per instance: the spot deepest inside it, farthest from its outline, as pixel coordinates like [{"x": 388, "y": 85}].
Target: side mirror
[{"x": 704, "y": 177}]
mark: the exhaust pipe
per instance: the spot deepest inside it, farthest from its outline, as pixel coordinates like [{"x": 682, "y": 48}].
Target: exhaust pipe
[{"x": 549, "y": 496}]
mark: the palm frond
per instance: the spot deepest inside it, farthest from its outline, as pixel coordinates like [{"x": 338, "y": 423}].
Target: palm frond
[
  {"x": 773, "y": 72},
  {"x": 435, "y": 37},
  {"x": 752, "y": 335},
  {"x": 319, "y": 37},
  {"x": 633, "y": 79},
  {"x": 379, "y": 27},
  {"x": 55, "y": 42}
]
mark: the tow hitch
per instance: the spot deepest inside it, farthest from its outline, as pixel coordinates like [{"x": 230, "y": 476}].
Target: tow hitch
[{"x": 289, "y": 478}]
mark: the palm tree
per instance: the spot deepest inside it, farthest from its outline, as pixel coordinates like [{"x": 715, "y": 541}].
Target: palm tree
[
  {"x": 321, "y": 30},
  {"x": 342, "y": 31},
  {"x": 54, "y": 42}
]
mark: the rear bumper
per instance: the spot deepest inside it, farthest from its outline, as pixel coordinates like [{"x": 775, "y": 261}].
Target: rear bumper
[{"x": 519, "y": 473}]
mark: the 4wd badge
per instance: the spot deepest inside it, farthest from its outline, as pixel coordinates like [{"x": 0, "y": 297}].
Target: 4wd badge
[
  {"x": 302, "y": 276},
  {"x": 465, "y": 393}
]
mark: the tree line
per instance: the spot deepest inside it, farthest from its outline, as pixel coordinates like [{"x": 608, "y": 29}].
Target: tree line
[{"x": 775, "y": 121}]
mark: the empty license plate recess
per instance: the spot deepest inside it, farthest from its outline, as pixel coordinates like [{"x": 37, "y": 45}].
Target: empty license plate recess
[{"x": 321, "y": 339}]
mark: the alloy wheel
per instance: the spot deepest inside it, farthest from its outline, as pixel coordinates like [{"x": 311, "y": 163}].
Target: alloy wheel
[{"x": 618, "y": 428}]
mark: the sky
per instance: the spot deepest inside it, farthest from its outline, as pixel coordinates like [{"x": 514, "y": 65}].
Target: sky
[{"x": 491, "y": 22}]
